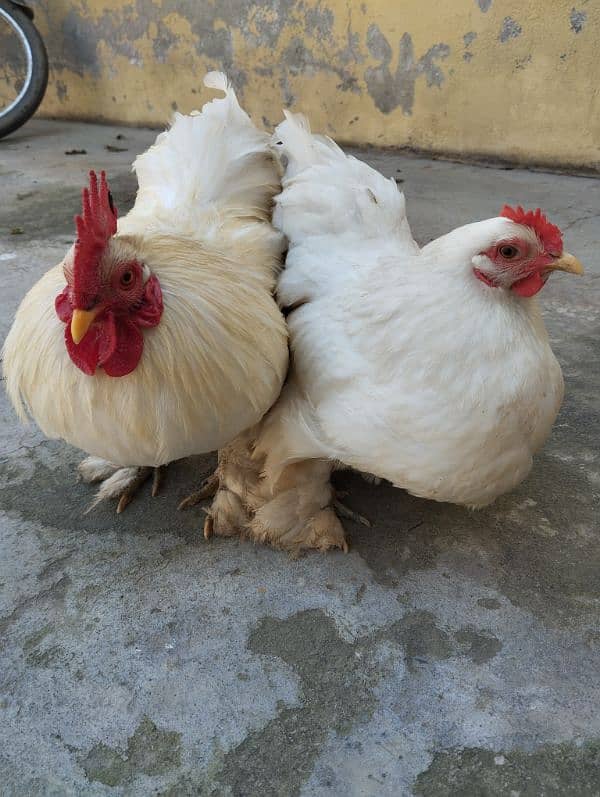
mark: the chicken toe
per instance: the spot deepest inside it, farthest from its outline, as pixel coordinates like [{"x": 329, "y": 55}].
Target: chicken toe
[
  {"x": 117, "y": 482},
  {"x": 126, "y": 497},
  {"x": 158, "y": 479},
  {"x": 209, "y": 528},
  {"x": 345, "y": 512},
  {"x": 207, "y": 490}
]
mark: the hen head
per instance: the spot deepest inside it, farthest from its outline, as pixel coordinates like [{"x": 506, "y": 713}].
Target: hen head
[
  {"x": 110, "y": 295},
  {"x": 524, "y": 253}
]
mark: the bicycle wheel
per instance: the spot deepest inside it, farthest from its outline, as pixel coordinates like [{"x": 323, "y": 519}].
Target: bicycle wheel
[{"x": 23, "y": 68}]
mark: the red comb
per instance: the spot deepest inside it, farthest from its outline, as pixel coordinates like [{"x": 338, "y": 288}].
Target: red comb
[
  {"x": 97, "y": 223},
  {"x": 549, "y": 234}
]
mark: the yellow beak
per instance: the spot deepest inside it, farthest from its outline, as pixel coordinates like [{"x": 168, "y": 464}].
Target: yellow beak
[
  {"x": 81, "y": 322},
  {"x": 567, "y": 262}
]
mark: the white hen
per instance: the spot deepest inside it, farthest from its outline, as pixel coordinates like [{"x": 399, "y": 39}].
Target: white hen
[
  {"x": 428, "y": 367},
  {"x": 165, "y": 340}
]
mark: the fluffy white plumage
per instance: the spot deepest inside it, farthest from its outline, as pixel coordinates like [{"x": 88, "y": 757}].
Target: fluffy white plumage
[
  {"x": 216, "y": 361},
  {"x": 403, "y": 364},
  {"x": 403, "y": 367}
]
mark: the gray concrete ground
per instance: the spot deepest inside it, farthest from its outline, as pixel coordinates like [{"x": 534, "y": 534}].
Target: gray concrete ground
[{"x": 449, "y": 653}]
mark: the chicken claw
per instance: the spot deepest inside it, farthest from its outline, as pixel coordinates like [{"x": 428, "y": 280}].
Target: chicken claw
[
  {"x": 129, "y": 492},
  {"x": 207, "y": 490},
  {"x": 157, "y": 479},
  {"x": 350, "y": 514},
  {"x": 117, "y": 482},
  {"x": 209, "y": 527}
]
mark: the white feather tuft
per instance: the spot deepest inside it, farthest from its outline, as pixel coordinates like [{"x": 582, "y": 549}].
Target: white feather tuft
[
  {"x": 327, "y": 192},
  {"x": 210, "y": 170},
  {"x": 217, "y": 80},
  {"x": 114, "y": 486},
  {"x": 95, "y": 469}
]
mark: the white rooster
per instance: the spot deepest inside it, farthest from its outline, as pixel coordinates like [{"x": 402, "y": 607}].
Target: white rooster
[
  {"x": 158, "y": 335},
  {"x": 428, "y": 367}
]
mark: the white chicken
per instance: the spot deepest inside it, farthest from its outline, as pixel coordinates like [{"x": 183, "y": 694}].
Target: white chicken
[
  {"x": 428, "y": 367},
  {"x": 158, "y": 336}
]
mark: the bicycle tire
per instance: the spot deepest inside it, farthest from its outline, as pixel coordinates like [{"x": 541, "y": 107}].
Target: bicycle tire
[{"x": 16, "y": 116}]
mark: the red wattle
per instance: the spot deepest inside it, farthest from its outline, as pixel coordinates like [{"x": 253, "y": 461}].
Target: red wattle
[
  {"x": 128, "y": 348},
  {"x": 85, "y": 353},
  {"x": 528, "y": 286},
  {"x": 113, "y": 342}
]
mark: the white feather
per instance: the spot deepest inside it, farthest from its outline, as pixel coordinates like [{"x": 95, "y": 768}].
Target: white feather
[
  {"x": 327, "y": 192},
  {"x": 95, "y": 469},
  {"x": 404, "y": 365},
  {"x": 114, "y": 486},
  {"x": 216, "y": 361},
  {"x": 205, "y": 173}
]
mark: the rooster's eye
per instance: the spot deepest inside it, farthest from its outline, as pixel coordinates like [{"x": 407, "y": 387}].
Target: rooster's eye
[
  {"x": 126, "y": 278},
  {"x": 509, "y": 252}
]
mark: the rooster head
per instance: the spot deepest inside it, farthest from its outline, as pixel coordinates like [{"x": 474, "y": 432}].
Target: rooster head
[
  {"x": 110, "y": 295},
  {"x": 522, "y": 258}
]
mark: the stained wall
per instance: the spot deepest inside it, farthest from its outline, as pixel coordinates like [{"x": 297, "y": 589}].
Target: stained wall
[{"x": 492, "y": 78}]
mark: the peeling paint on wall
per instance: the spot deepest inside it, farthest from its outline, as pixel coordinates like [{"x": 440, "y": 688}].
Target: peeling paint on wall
[
  {"x": 366, "y": 72},
  {"x": 468, "y": 40},
  {"x": 510, "y": 29},
  {"x": 577, "y": 20},
  {"x": 392, "y": 90}
]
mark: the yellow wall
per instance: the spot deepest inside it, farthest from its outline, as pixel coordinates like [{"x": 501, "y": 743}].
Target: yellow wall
[{"x": 514, "y": 79}]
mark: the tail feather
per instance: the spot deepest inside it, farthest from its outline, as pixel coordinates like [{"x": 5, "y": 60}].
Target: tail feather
[
  {"x": 326, "y": 192},
  {"x": 208, "y": 168},
  {"x": 296, "y": 148},
  {"x": 217, "y": 80}
]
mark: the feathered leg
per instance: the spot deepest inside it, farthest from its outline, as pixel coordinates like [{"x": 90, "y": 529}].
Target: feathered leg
[
  {"x": 298, "y": 513},
  {"x": 230, "y": 487},
  {"x": 118, "y": 482},
  {"x": 206, "y": 490}
]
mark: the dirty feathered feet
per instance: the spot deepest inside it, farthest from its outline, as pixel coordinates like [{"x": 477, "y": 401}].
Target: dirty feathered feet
[
  {"x": 117, "y": 482},
  {"x": 230, "y": 487},
  {"x": 299, "y": 514}
]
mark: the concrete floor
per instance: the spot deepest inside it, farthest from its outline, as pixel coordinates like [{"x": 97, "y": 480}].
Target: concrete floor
[{"x": 449, "y": 653}]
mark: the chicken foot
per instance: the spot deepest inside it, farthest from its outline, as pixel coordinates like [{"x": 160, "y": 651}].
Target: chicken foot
[
  {"x": 344, "y": 511},
  {"x": 230, "y": 487},
  {"x": 297, "y": 513},
  {"x": 118, "y": 482},
  {"x": 226, "y": 516},
  {"x": 207, "y": 490}
]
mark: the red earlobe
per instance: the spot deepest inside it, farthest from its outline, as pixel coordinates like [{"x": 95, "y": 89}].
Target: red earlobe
[
  {"x": 63, "y": 306},
  {"x": 151, "y": 311}
]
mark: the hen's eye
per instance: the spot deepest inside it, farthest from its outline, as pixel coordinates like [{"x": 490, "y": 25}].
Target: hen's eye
[
  {"x": 508, "y": 252},
  {"x": 127, "y": 278}
]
